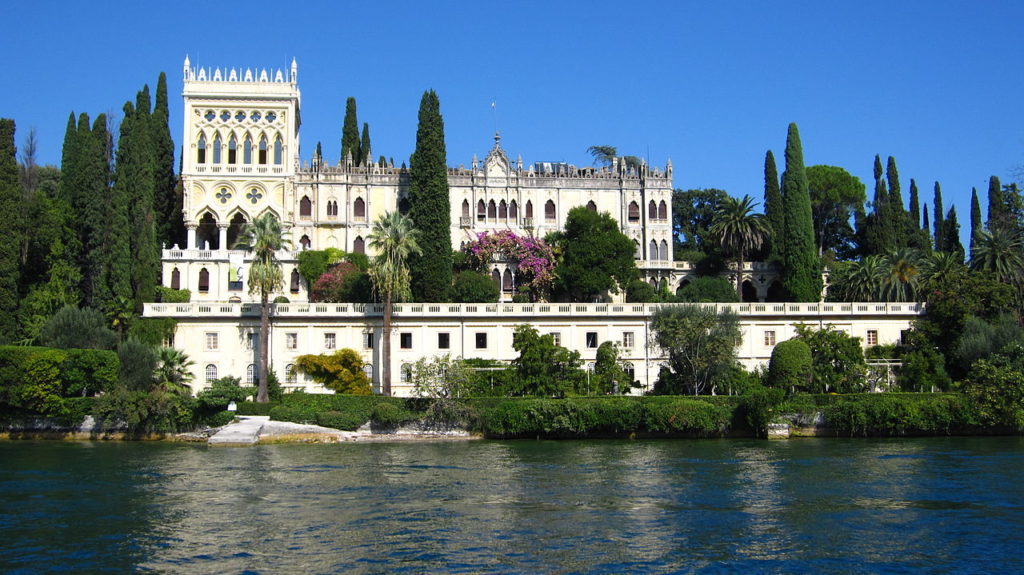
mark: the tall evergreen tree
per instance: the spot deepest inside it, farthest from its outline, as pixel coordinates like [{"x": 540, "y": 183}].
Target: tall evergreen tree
[
  {"x": 915, "y": 205},
  {"x": 145, "y": 249},
  {"x": 976, "y": 228},
  {"x": 924, "y": 225},
  {"x": 801, "y": 272},
  {"x": 997, "y": 216},
  {"x": 364, "y": 145},
  {"x": 350, "y": 134},
  {"x": 92, "y": 205},
  {"x": 429, "y": 206},
  {"x": 939, "y": 231},
  {"x": 118, "y": 276},
  {"x": 951, "y": 229},
  {"x": 774, "y": 211},
  {"x": 169, "y": 221},
  {"x": 10, "y": 248},
  {"x": 917, "y": 237},
  {"x": 69, "y": 155},
  {"x": 897, "y": 215}
]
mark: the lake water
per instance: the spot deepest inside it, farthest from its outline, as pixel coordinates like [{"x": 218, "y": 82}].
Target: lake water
[{"x": 935, "y": 505}]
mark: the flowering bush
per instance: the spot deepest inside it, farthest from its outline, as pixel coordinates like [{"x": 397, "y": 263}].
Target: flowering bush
[
  {"x": 330, "y": 287},
  {"x": 533, "y": 259}
]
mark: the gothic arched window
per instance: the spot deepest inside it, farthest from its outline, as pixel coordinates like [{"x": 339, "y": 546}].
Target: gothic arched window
[
  {"x": 295, "y": 277},
  {"x": 216, "y": 149},
  {"x": 652, "y": 210},
  {"x": 359, "y": 246},
  {"x": 652, "y": 252},
  {"x": 492, "y": 210},
  {"x": 549, "y": 210},
  {"x": 247, "y": 150},
  {"x": 201, "y": 149},
  {"x": 305, "y": 242},
  {"x": 204, "y": 281},
  {"x": 529, "y": 208},
  {"x": 305, "y": 207},
  {"x": 263, "y": 150},
  {"x": 513, "y": 210},
  {"x": 481, "y": 211},
  {"x": 465, "y": 209},
  {"x": 502, "y": 210},
  {"x": 634, "y": 212},
  {"x": 232, "y": 150},
  {"x": 359, "y": 209},
  {"x": 663, "y": 211},
  {"x": 278, "y": 147},
  {"x": 592, "y": 206}
]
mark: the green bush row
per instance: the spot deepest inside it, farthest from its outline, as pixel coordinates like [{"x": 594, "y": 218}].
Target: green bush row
[
  {"x": 40, "y": 379},
  {"x": 901, "y": 414}
]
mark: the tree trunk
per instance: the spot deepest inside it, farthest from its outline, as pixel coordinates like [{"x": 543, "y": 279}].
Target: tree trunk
[
  {"x": 262, "y": 396},
  {"x": 386, "y": 347},
  {"x": 739, "y": 278}
]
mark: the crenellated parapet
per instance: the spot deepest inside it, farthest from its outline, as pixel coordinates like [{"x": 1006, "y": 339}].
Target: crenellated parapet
[{"x": 248, "y": 75}]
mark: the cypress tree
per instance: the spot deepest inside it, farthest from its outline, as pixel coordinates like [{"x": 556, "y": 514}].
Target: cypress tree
[
  {"x": 364, "y": 144},
  {"x": 997, "y": 217},
  {"x": 975, "y": 219},
  {"x": 917, "y": 238},
  {"x": 915, "y": 205},
  {"x": 801, "y": 272},
  {"x": 10, "y": 248},
  {"x": 145, "y": 251},
  {"x": 774, "y": 211},
  {"x": 897, "y": 215},
  {"x": 69, "y": 155},
  {"x": 951, "y": 228},
  {"x": 169, "y": 222},
  {"x": 939, "y": 237},
  {"x": 924, "y": 226},
  {"x": 350, "y": 134},
  {"x": 429, "y": 206},
  {"x": 92, "y": 205},
  {"x": 118, "y": 277}
]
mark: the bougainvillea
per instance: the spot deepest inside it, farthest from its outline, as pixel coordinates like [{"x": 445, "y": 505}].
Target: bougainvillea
[
  {"x": 330, "y": 287},
  {"x": 533, "y": 259}
]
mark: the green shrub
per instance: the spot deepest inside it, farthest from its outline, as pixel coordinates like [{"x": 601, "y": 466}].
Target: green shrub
[
  {"x": 73, "y": 328},
  {"x": 218, "y": 418},
  {"x": 170, "y": 295},
  {"x": 284, "y": 413},
  {"x": 761, "y": 406},
  {"x": 253, "y": 408},
  {"x": 340, "y": 420},
  {"x": 153, "y": 331},
  {"x": 474, "y": 287},
  {"x": 707, "y": 290},
  {"x": 222, "y": 392},
  {"x": 790, "y": 366},
  {"x": 138, "y": 362},
  {"x": 391, "y": 414},
  {"x": 900, "y": 414},
  {"x": 678, "y": 414}
]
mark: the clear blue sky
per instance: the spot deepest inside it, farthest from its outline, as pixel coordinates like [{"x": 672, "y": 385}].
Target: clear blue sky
[{"x": 711, "y": 85}]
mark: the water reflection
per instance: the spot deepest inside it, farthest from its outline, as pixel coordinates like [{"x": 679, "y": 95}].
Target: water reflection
[{"x": 811, "y": 506}]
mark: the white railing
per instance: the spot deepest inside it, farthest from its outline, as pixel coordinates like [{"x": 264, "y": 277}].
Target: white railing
[{"x": 326, "y": 310}]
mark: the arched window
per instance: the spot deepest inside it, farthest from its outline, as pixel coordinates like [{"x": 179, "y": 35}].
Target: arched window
[
  {"x": 359, "y": 209},
  {"x": 204, "y": 281},
  {"x": 305, "y": 208},
  {"x": 403, "y": 205},
  {"x": 263, "y": 150},
  {"x": 636, "y": 250},
  {"x": 664, "y": 251},
  {"x": 289, "y": 373},
  {"x": 405, "y": 373},
  {"x": 513, "y": 210},
  {"x": 277, "y": 150},
  {"x": 359, "y": 246},
  {"x": 506, "y": 281},
  {"x": 592, "y": 206},
  {"x": 207, "y": 236},
  {"x": 663, "y": 211},
  {"x": 368, "y": 370},
  {"x": 496, "y": 276},
  {"x": 295, "y": 280},
  {"x": 216, "y": 149},
  {"x": 749, "y": 291},
  {"x": 634, "y": 212},
  {"x": 481, "y": 211},
  {"x": 502, "y": 210},
  {"x": 247, "y": 150},
  {"x": 652, "y": 210},
  {"x": 232, "y": 150},
  {"x": 304, "y": 242},
  {"x": 211, "y": 373},
  {"x": 235, "y": 229},
  {"x": 175, "y": 279},
  {"x": 250, "y": 374},
  {"x": 630, "y": 371},
  {"x": 652, "y": 251},
  {"x": 201, "y": 151},
  {"x": 549, "y": 210},
  {"x": 492, "y": 210},
  {"x": 465, "y": 209},
  {"x": 529, "y": 209}
]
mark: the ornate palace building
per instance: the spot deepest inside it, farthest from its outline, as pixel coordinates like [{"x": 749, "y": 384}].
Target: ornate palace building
[{"x": 241, "y": 158}]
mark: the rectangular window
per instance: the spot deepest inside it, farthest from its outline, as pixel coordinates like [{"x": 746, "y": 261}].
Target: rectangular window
[
  {"x": 368, "y": 340},
  {"x": 405, "y": 340},
  {"x": 330, "y": 341},
  {"x": 556, "y": 338},
  {"x": 872, "y": 337},
  {"x": 591, "y": 339},
  {"x": 291, "y": 340},
  {"x": 211, "y": 341},
  {"x": 444, "y": 341},
  {"x": 481, "y": 341},
  {"x": 627, "y": 340},
  {"x": 769, "y": 338}
]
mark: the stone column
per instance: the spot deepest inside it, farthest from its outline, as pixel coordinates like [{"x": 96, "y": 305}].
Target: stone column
[
  {"x": 190, "y": 242},
  {"x": 222, "y": 235}
]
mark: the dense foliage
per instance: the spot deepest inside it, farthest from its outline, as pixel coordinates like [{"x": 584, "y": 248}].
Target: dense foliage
[
  {"x": 430, "y": 207},
  {"x": 341, "y": 371},
  {"x": 596, "y": 257},
  {"x": 801, "y": 269},
  {"x": 700, "y": 344},
  {"x": 532, "y": 259}
]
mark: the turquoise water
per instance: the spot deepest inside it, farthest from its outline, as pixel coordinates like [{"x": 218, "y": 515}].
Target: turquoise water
[{"x": 936, "y": 505}]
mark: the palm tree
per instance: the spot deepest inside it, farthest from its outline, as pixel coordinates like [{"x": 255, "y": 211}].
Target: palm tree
[
  {"x": 393, "y": 240},
  {"x": 901, "y": 271},
  {"x": 938, "y": 265},
  {"x": 173, "y": 366},
  {"x": 739, "y": 231},
  {"x": 863, "y": 280},
  {"x": 999, "y": 251},
  {"x": 263, "y": 237},
  {"x": 603, "y": 155}
]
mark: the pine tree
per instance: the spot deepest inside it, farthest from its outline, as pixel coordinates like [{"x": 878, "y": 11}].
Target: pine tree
[
  {"x": 350, "y": 134},
  {"x": 951, "y": 228},
  {"x": 976, "y": 228},
  {"x": 773, "y": 208},
  {"x": 364, "y": 144},
  {"x": 997, "y": 216},
  {"x": 801, "y": 268},
  {"x": 429, "y": 207},
  {"x": 10, "y": 248},
  {"x": 169, "y": 222},
  {"x": 939, "y": 231}
]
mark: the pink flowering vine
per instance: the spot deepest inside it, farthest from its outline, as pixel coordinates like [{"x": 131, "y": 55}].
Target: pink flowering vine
[{"x": 532, "y": 258}]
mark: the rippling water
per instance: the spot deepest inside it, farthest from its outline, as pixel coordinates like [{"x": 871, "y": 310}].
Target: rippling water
[{"x": 944, "y": 505}]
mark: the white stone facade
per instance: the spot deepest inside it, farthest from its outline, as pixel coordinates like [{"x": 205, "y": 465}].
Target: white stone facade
[{"x": 222, "y": 339}]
